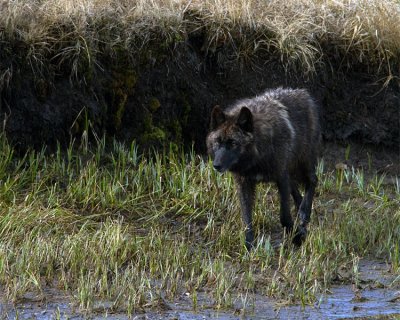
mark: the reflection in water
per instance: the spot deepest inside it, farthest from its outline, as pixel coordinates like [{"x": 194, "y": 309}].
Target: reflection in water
[{"x": 378, "y": 294}]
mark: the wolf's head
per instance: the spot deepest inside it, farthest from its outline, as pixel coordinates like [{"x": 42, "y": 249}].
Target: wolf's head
[{"x": 230, "y": 139}]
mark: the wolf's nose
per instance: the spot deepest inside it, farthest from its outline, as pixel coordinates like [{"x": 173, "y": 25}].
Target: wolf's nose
[{"x": 217, "y": 167}]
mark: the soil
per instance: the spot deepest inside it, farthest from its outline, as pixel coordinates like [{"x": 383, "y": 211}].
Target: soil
[{"x": 167, "y": 97}]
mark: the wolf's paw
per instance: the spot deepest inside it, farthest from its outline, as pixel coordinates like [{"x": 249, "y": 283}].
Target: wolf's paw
[{"x": 299, "y": 236}]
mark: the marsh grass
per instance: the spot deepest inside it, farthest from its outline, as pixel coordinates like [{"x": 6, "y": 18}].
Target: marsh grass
[
  {"x": 105, "y": 223},
  {"x": 75, "y": 36}
]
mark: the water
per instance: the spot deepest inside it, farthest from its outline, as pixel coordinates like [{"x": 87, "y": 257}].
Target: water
[{"x": 378, "y": 294}]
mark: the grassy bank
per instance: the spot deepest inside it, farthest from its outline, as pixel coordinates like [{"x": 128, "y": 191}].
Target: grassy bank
[
  {"x": 152, "y": 70},
  {"x": 106, "y": 223},
  {"x": 75, "y": 34}
]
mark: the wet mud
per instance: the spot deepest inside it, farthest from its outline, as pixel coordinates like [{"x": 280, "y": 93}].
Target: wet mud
[{"x": 375, "y": 295}]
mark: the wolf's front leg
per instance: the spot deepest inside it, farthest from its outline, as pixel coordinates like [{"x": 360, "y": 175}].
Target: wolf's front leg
[{"x": 246, "y": 191}]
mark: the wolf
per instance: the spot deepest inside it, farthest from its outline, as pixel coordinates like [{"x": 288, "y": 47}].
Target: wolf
[{"x": 273, "y": 137}]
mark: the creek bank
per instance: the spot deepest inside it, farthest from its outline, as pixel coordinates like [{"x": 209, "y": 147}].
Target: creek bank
[{"x": 168, "y": 98}]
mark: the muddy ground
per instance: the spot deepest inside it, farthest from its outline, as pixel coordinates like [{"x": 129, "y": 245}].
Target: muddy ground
[{"x": 376, "y": 297}]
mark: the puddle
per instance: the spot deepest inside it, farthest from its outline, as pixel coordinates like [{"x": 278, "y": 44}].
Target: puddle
[{"x": 378, "y": 294}]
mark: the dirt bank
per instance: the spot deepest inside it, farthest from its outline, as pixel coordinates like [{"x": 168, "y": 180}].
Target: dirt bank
[{"x": 169, "y": 98}]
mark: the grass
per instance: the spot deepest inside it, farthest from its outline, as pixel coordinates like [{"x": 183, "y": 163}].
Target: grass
[
  {"x": 105, "y": 223},
  {"x": 76, "y": 35}
]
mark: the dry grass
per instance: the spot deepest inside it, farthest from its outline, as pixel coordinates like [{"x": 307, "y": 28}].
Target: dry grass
[{"x": 303, "y": 34}]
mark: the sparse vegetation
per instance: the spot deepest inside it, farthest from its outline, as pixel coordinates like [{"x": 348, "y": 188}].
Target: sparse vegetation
[{"x": 107, "y": 223}]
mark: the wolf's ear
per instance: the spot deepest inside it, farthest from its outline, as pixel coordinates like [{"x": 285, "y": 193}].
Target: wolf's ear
[
  {"x": 217, "y": 117},
  {"x": 245, "y": 119}
]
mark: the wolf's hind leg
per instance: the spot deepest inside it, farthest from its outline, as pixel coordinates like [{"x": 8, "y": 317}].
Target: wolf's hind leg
[
  {"x": 296, "y": 195},
  {"x": 304, "y": 211},
  {"x": 306, "y": 205},
  {"x": 284, "y": 192}
]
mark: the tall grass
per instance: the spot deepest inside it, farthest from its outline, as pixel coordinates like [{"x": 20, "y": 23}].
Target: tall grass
[
  {"x": 303, "y": 34},
  {"x": 105, "y": 223}
]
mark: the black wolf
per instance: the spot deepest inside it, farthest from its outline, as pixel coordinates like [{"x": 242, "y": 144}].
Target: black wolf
[{"x": 273, "y": 137}]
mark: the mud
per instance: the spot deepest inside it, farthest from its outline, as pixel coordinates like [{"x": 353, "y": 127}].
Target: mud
[{"x": 376, "y": 295}]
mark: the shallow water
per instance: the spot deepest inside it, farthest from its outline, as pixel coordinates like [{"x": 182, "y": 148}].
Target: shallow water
[{"x": 378, "y": 294}]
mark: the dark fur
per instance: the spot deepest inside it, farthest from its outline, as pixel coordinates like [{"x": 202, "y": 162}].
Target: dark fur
[{"x": 272, "y": 137}]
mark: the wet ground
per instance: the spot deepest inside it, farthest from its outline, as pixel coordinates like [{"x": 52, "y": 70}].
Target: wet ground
[{"x": 377, "y": 295}]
